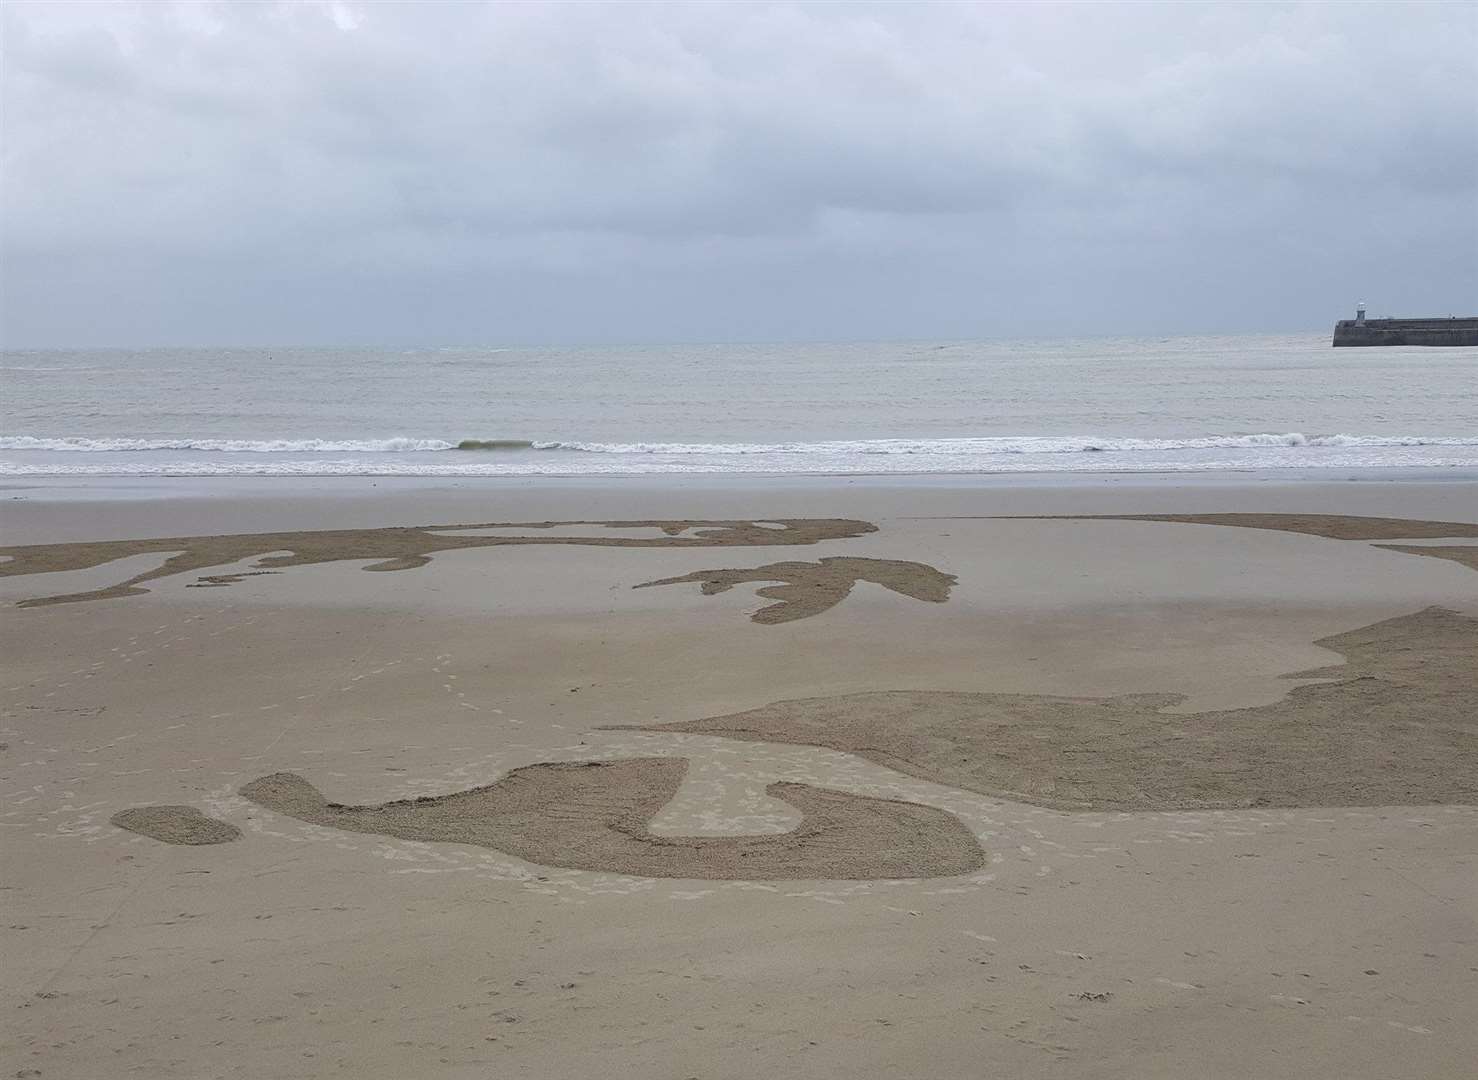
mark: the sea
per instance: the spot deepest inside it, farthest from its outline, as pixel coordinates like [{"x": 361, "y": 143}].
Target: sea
[{"x": 1130, "y": 405}]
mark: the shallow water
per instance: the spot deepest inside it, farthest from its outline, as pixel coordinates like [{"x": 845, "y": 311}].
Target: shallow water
[{"x": 1106, "y": 404}]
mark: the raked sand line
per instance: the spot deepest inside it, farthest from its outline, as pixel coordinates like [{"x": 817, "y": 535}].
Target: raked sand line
[
  {"x": 1465, "y": 555},
  {"x": 1329, "y": 526},
  {"x": 809, "y": 588},
  {"x": 1397, "y": 726},
  {"x": 593, "y": 816},
  {"x": 395, "y": 548}
]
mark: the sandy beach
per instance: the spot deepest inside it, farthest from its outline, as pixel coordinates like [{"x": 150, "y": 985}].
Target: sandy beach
[{"x": 1116, "y": 777}]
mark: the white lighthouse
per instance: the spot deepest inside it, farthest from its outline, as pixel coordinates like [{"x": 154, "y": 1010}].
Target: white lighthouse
[{"x": 1359, "y": 311}]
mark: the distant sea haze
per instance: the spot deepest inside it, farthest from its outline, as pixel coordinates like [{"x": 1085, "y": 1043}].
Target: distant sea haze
[{"x": 1145, "y": 405}]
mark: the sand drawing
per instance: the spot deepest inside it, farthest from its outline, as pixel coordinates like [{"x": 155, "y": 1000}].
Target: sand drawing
[
  {"x": 593, "y": 815},
  {"x": 1395, "y": 725},
  {"x": 809, "y": 588},
  {"x": 1462, "y": 554},
  {"x": 220, "y": 581},
  {"x": 175, "y": 825},
  {"x": 392, "y": 548},
  {"x": 1329, "y": 526}
]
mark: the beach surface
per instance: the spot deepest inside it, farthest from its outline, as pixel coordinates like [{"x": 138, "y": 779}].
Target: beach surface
[{"x": 822, "y": 777}]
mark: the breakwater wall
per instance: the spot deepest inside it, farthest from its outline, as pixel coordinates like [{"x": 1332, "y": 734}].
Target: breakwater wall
[{"x": 1449, "y": 331}]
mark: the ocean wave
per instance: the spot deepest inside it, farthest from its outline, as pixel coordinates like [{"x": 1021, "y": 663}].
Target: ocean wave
[
  {"x": 947, "y": 447},
  {"x": 572, "y": 465},
  {"x": 227, "y": 446},
  {"x": 1016, "y": 445},
  {"x": 504, "y": 444},
  {"x": 38, "y": 370}
]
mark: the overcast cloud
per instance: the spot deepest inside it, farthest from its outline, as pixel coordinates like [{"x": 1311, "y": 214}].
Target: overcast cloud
[{"x": 341, "y": 172}]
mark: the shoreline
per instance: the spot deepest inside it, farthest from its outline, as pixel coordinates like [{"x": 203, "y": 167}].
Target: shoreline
[
  {"x": 69, "y": 508},
  {"x": 42, "y": 472},
  {"x": 1022, "y": 478}
]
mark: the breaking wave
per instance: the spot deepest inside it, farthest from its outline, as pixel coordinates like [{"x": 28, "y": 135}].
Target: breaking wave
[
  {"x": 1016, "y": 445},
  {"x": 1066, "y": 444},
  {"x": 228, "y": 446}
]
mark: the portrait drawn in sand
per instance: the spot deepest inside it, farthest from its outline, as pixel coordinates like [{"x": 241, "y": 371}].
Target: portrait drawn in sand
[
  {"x": 388, "y": 549},
  {"x": 1395, "y": 724}
]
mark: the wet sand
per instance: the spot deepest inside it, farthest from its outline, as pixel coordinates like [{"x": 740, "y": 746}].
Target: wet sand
[{"x": 1126, "y": 798}]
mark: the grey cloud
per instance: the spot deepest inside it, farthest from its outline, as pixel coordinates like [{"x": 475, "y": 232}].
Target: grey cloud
[{"x": 945, "y": 169}]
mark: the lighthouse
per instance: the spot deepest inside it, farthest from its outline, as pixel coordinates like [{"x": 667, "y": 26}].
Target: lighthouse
[{"x": 1359, "y": 311}]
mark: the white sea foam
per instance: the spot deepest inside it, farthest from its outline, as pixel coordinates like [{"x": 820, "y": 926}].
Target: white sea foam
[
  {"x": 753, "y": 464},
  {"x": 971, "y": 447},
  {"x": 1067, "y": 444},
  {"x": 79, "y": 444}
]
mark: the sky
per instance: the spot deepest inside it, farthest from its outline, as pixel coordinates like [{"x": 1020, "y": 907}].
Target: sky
[{"x": 345, "y": 173}]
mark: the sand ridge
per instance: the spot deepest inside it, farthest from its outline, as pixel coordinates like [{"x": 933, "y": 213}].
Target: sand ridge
[
  {"x": 593, "y": 815},
  {"x": 391, "y": 548},
  {"x": 1398, "y": 726},
  {"x": 809, "y": 588},
  {"x": 175, "y": 825}
]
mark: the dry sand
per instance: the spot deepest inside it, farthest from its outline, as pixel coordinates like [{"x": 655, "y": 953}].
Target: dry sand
[{"x": 428, "y": 923}]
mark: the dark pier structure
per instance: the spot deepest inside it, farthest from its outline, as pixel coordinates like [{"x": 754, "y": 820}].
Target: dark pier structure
[{"x": 1453, "y": 330}]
